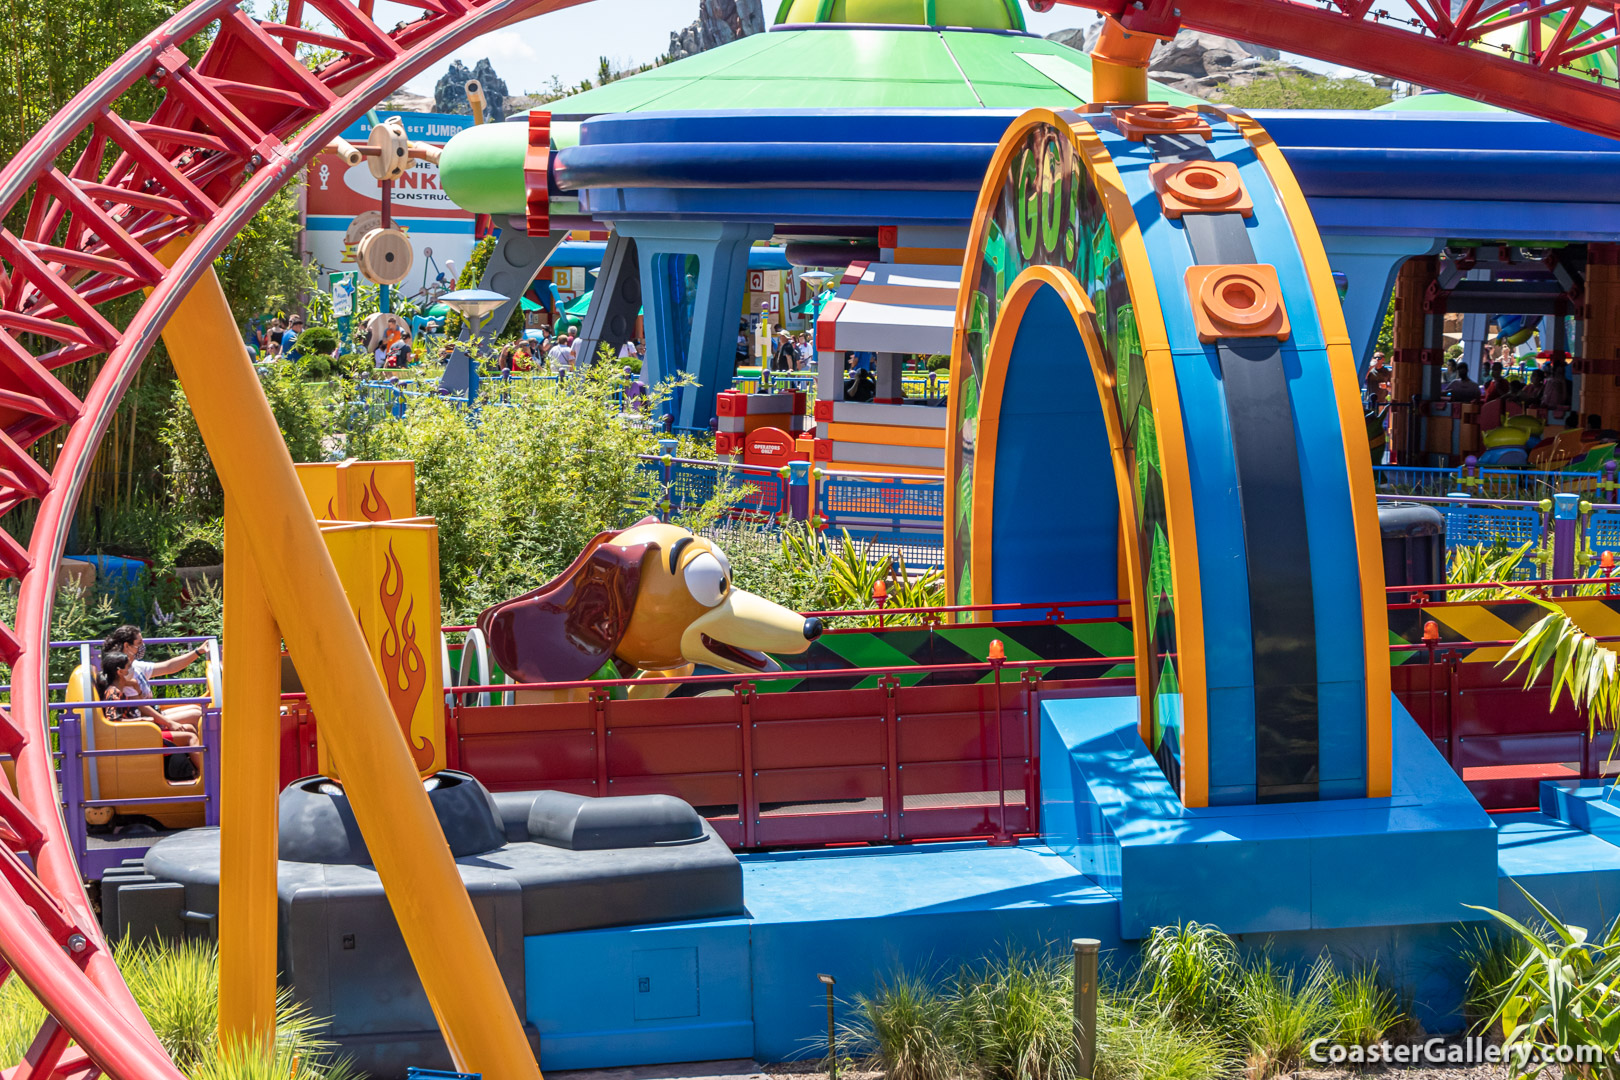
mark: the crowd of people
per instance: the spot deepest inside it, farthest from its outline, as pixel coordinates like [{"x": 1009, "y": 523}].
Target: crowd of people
[{"x": 1544, "y": 386}]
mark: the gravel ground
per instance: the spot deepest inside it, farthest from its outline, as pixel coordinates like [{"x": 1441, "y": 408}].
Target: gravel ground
[{"x": 1425, "y": 1071}]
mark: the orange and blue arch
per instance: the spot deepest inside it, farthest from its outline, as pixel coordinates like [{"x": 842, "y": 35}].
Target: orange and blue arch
[{"x": 1222, "y": 483}]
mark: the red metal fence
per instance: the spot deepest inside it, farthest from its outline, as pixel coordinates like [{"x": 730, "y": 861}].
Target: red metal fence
[
  {"x": 799, "y": 768},
  {"x": 1501, "y": 738}
]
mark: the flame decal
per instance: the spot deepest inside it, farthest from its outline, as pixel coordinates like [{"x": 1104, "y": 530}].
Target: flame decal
[
  {"x": 331, "y": 513},
  {"x": 373, "y": 507},
  {"x": 403, "y": 666}
]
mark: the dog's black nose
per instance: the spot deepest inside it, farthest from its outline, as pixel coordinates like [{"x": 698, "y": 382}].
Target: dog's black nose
[{"x": 812, "y": 629}]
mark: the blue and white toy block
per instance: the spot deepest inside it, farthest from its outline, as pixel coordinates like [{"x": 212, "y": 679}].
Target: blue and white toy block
[{"x": 1418, "y": 857}]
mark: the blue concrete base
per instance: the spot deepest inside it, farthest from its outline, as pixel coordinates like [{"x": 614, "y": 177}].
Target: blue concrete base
[
  {"x": 643, "y": 995},
  {"x": 1416, "y": 858},
  {"x": 1380, "y": 881}
]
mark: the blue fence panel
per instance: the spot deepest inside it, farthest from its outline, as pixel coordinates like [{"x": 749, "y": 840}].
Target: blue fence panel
[
  {"x": 919, "y": 551},
  {"x": 1401, "y": 480},
  {"x": 693, "y": 483},
  {"x": 1531, "y": 484},
  {"x": 1468, "y": 525},
  {"x": 1603, "y": 531},
  {"x": 892, "y": 503}
]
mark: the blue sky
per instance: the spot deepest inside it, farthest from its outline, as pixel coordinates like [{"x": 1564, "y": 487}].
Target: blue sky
[{"x": 630, "y": 32}]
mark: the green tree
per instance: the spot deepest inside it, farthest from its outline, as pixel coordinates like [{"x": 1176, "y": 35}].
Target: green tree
[
  {"x": 261, "y": 270},
  {"x": 1304, "y": 91}
]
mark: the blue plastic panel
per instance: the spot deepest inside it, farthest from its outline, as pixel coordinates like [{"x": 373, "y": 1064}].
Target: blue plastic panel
[{"x": 642, "y": 995}]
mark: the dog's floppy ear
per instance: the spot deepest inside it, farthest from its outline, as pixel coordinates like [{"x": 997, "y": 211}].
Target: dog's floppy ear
[{"x": 567, "y": 629}]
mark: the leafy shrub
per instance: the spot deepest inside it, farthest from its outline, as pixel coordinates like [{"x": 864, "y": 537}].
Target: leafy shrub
[
  {"x": 1191, "y": 972},
  {"x": 1138, "y": 1041},
  {"x": 177, "y": 989},
  {"x": 1560, "y": 993},
  {"x": 303, "y": 412},
  {"x": 1365, "y": 1010},
  {"x": 939, "y": 363},
  {"x": 519, "y": 491},
  {"x": 320, "y": 340},
  {"x": 1493, "y": 958},
  {"x": 315, "y": 365},
  {"x": 1280, "y": 1011}
]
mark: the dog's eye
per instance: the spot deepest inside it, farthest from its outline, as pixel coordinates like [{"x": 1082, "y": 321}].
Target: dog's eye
[
  {"x": 706, "y": 580},
  {"x": 725, "y": 563}
]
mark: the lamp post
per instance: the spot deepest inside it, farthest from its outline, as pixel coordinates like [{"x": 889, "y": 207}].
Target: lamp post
[
  {"x": 474, "y": 305},
  {"x": 819, "y": 279}
]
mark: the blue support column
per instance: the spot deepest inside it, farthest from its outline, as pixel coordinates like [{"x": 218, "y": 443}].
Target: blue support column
[
  {"x": 1369, "y": 264},
  {"x": 691, "y": 321}
]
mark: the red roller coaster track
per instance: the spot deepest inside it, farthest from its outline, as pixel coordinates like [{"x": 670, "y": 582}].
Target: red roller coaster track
[
  {"x": 231, "y": 129},
  {"x": 1424, "y": 42},
  {"x": 234, "y": 127}
]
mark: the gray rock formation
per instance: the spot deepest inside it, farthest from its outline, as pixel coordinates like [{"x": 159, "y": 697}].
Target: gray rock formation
[
  {"x": 450, "y": 92},
  {"x": 718, "y": 22},
  {"x": 1192, "y": 62}
]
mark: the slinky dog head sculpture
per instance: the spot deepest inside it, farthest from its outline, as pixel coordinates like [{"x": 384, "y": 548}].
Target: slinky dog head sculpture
[{"x": 653, "y": 597}]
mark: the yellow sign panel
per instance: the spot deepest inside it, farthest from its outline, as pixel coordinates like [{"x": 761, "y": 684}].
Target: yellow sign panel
[
  {"x": 390, "y": 573},
  {"x": 360, "y": 490},
  {"x": 319, "y": 480}
]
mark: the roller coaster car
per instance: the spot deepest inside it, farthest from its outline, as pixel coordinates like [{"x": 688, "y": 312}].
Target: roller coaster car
[{"x": 136, "y": 776}]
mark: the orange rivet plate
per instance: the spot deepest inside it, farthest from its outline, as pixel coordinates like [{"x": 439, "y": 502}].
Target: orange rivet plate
[
  {"x": 1237, "y": 300},
  {"x": 1140, "y": 121},
  {"x": 1200, "y": 187}
]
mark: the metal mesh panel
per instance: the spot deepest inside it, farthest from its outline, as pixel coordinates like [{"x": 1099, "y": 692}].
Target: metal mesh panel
[
  {"x": 1468, "y": 525},
  {"x": 894, "y": 503}
]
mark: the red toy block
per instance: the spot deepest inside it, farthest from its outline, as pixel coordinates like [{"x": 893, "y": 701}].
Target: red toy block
[
  {"x": 727, "y": 443},
  {"x": 824, "y": 410},
  {"x": 731, "y": 403}
]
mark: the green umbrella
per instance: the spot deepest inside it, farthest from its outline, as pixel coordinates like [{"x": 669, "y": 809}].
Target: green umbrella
[
  {"x": 580, "y": 306},
  {"x": 528, "y": 305}
]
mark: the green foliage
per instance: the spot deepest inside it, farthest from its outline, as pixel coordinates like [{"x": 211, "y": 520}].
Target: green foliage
[
  {"x": 1193, "y": 1010},
  {"x": 1304, "y": 91},
  {"x": 318, "y": 339},
  {"x": 805, "y": 570},
  {"x": 939, "y": 363},
  {"x": 1136, "y": 1041},
  {"x": 53, "y": 50},
  {"x": 261, "y": 270},
  {"x": 1481, "y": 563},
  {"x": 1364, "y": 1008},
  {"x": 1493, "y": 958},
  {"x": 75, "y": 616},
  {"x": 1281, "y": 1010},
  {"x": 521, "y": 491},
  {"x": 20, "y": 1017},
  {"x": 1189, "y": 972},
  {"x": 1008, "y": 1018},
  {"x": 177, "y": 989},
  {"x": 303, "y": 412},
  {"x": 902, "y": 1025},
  {"x": 1386, "y": 329},
  {"x": 1579, "y": 663},
  {"x": 1560, "y": 994}
]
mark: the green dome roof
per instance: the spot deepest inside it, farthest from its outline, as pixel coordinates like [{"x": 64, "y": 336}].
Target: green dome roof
[
  {"x": 854, "y": 67},
  {"x": 816, "y": 67},
  {"x": 979, "y": 14}
]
